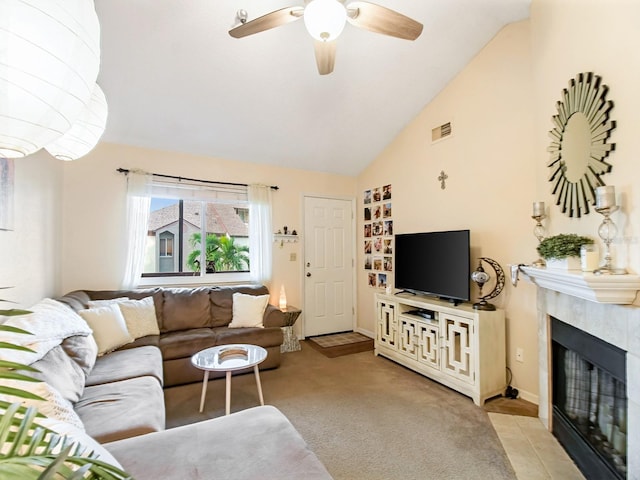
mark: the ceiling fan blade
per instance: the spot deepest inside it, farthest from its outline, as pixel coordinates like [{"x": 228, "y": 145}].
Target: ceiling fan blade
[
  {"x": 267, "y": 22},
  {"x": 325, "y": 56},
  {"x": 383, "y": 20}
]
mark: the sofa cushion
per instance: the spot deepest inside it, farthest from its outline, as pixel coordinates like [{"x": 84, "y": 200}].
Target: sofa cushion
[
  {"x": 61, "y": 372},
  {"x": 248, "y": 310},
  {"x": 222, "y": 301},
  {"x": 259, "y": 442},
  {"x": 156, "y": 293},
  {"x": 186, "y": 342},
  {"x": 108, "y": 326},
  {"x": 125, "y": 364},
  {"x": 185, "y": 308},
  {"x": 83, "y": 350},
  {"x": 264, "y": 337},
  {"x": 122, "y": 409}
]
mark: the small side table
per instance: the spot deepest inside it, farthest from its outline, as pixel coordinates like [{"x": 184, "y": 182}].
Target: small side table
[{"x": 290, "y": 342}]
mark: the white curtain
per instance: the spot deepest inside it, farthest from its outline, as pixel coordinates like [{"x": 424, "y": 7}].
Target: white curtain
[
  {"x": 138, "y": 206},
  {"x": 261, "y": 235}
]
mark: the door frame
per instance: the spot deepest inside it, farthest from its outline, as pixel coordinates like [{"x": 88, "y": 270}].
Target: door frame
[{"x": 354, "y": 260}]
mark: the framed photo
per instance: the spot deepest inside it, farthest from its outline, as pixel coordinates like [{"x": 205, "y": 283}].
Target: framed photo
[
  {"x": 388, "y": 264},
  {"x": 386, "y": 210},
  {"x": 377, "y": 263},
  {"x": 367, "y": 230},
  {"x": 377, "y": 212},
  {"x": 387, "y": 248},
  {"x": 388, "y": 228},
  {"x": 367, "y": 214},
  {"x": 367, "y": 262},
  {"x": 6, "y": 193},
  {"x": 367, "y": 246},
  {"x": 378, "y": 228},
  {"x": 386, "y": 192},
  {"x": 382, "y": 280},
  {"x": 373, "y": 280},
  {"x": 377, "y": 194},
  {"x": 367, "y": 197},
  {"x": 377, "y": 244}
]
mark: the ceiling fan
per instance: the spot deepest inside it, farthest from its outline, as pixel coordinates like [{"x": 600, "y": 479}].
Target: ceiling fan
[{"x": 325, "y": 20}]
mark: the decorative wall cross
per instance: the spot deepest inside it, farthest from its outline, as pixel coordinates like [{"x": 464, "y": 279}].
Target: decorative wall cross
[{"x": 442, "y": 178}]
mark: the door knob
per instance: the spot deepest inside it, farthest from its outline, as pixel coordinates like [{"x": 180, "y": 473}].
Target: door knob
[{"x": 308, "y": 274}]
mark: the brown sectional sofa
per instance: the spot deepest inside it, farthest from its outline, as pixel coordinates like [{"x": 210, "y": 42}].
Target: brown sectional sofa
[
  {"x": 192, "y": 319},
  {"x": 122, "y": 405}
]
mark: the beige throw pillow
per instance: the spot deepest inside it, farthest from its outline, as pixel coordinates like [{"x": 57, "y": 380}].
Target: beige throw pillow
[
  {"x": 109, "y": 328},
  {"x": 248, "y": 310},
  {"x": 140, "y": 316},
  {"x": 104, "y": 303}
]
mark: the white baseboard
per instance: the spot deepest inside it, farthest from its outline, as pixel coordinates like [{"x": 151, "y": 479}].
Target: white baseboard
[
  {"x": 366, "y": 332},
  {"x": 528, "y": 396}
]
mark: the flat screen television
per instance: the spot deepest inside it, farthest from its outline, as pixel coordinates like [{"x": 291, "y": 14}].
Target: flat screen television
[{"x": 434, "y": 263}]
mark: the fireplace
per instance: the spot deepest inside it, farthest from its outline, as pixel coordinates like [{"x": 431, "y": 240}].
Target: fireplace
[
  {"x": 606, "y": 307},
  {"x": 589, "y": 399}
]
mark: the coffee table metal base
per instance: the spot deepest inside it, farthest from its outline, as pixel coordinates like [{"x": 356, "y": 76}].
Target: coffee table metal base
[{"x": 227, "y": 401}]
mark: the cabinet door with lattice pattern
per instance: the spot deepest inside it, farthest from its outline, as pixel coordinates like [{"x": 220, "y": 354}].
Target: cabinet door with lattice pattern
[
  {"x": 408, "y": 336},
  {"x": 429, "y": 344},
  {"x": 387, "y": 325},
  {"x": 458, "y": 343}
]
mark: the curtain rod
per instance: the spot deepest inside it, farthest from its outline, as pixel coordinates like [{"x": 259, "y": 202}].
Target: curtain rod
[{"x": 125, "y": 171}]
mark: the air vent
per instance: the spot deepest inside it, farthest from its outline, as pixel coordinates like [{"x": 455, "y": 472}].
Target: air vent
[{"x": 441, "y": 132}]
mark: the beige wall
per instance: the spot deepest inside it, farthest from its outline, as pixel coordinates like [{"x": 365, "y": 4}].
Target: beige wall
[
  {"x": 30, "y": 254},
  {"x": 94, "y": 241},
  {"x": 569, "y": 37},
  {"x": 491, "y": 184}
]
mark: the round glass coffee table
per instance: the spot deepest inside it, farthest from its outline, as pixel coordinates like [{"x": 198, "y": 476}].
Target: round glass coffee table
[{"x": 229, "y": 358}]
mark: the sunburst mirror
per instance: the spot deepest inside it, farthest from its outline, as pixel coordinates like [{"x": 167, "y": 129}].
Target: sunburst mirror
[{"x": 579, "y": 144}]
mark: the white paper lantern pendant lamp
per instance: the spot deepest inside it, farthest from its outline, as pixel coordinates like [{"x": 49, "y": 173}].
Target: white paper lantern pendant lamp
[
  {"x": 49, "y": 62},
  {"x": 85, "y": 132}
]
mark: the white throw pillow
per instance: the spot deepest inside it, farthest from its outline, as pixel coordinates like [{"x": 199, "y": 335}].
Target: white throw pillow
[
  {"x": 140, "y": 316},
  {"x": 248, "y": 310},
  {"x": 76, "y": 435},
  {"x": 53, "y": 406},
  {"x": 109, "y": 328}
]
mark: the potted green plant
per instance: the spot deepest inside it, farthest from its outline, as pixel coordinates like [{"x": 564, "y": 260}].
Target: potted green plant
[
  {"x": 563, "y": 251},
  {"x": 30, "y": 451}
]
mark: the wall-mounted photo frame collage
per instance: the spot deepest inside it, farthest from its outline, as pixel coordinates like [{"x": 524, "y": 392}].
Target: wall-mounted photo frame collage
[{"x": 378, "y": 235}]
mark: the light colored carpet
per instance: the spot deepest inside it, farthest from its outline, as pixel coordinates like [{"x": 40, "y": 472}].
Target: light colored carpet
[{"x": 365, "y": 417}]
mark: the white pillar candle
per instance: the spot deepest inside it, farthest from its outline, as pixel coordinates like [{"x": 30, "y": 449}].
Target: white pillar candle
[
  {"x": 606, "y": 196},
  {"x": 538, "y": 209}
]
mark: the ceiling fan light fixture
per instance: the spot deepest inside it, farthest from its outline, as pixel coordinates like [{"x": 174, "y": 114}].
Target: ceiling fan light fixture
[{"x": 325, "y": 19}]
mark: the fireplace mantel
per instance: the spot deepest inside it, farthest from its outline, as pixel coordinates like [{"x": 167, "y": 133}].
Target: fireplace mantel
[{"x": 617, "y": 289}]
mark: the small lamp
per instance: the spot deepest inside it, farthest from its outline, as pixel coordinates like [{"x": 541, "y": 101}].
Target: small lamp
[
  {"x": 325, "y": 19},
  {"x": 283, "y": 299}
]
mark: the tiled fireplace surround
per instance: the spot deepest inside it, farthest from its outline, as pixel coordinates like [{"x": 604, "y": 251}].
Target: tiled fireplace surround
[{"x": 614, "y": 323}]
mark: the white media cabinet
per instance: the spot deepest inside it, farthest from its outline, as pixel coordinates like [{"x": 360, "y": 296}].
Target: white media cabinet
[{"x": 459, "y": 347}]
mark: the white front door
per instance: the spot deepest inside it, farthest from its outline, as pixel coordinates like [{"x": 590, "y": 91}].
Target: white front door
[{"x": 328, "y": 265}]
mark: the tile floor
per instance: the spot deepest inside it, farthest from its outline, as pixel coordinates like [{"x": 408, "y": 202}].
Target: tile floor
[{"x": 533, "y": 451}]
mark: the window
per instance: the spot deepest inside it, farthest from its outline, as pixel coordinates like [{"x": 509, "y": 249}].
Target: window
[{"x": 177, "y": 227}]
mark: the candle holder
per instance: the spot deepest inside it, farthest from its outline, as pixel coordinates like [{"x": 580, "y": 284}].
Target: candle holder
[
  {"x": 607, "y": 232},
  {"x": 539, "y": 232}
]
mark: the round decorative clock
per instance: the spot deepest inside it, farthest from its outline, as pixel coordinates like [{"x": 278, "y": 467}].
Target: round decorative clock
[{"x": 579, "y": 144}]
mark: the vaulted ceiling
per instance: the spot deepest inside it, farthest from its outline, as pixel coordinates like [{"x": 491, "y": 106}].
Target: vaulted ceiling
[{"x": 176, "y": 80}]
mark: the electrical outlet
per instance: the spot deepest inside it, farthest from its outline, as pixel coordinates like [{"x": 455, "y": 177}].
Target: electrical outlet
[
  {"x": 519, "y": 355},
  {"x": 293, "y": 257}
]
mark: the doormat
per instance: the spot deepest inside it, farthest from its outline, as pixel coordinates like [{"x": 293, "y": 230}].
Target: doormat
[{"x": 340, "y": 344}]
